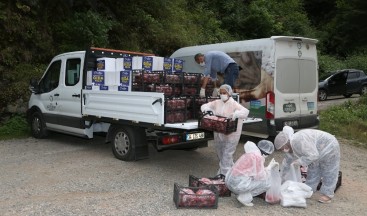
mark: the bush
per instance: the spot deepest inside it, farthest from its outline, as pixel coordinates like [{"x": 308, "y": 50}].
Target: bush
[
  {"x": 348, "y": 120},
  {"x": 15, "y": 127}
]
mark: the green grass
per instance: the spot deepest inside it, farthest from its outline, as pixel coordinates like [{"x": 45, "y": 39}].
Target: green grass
[
  {"x": 348, "y": 120},
  {"x": 15, "y": 127}
]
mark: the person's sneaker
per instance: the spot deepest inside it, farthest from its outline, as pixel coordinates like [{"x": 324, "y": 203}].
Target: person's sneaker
[{"x": 324, "y": 199}]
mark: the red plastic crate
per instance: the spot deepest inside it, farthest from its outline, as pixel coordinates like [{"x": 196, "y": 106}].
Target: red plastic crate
[{"x": 218, "y": 124}]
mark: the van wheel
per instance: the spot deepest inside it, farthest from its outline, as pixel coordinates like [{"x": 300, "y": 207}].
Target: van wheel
[
  {"x": 38, "y": 126},
  {"x": 125, "y": 142},
  {"x": 364, "y": 90},
  {"x": 322, "y": 95}
]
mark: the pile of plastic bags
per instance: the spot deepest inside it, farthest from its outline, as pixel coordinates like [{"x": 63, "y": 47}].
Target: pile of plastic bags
[{"x": 293, "y": 193}]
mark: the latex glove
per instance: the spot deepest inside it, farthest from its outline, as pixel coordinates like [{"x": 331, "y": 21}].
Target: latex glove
[
  {"x": 272, "y": 164},
  {"x": 215, "y": 92},
  {"x": 202, "y": 92},
  {"x": 234, "y": 116}
]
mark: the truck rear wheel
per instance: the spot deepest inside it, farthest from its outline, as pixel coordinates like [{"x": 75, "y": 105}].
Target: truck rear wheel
[
  {"x": 129, "y": 143},
  {"x": 38, "y": 126}
]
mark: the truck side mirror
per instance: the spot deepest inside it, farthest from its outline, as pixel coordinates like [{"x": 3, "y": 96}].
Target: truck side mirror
[{"x": 33, "y": 86}]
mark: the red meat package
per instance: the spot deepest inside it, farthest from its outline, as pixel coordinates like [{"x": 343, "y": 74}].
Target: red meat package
[
  {"x": 195, "y": 197},
  {"x": 218, "y": 124},
  {"x": 173, "y": 78},
  {"x": 217, "y": 181}
]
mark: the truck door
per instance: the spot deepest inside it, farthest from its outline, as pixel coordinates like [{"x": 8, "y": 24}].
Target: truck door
[
  {"x": 69, "y": 100},
  {"x": 49, "y": 93},
  {"x": 296, "y": 91}
]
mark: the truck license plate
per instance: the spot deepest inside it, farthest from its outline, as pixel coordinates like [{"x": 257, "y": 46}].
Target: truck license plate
[
  {"x": 291, "y": 123},
  {"x": 195, "y": 136}
]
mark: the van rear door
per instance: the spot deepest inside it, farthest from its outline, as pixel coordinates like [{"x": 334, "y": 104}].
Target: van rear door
[{"x": 296, "y": 86}]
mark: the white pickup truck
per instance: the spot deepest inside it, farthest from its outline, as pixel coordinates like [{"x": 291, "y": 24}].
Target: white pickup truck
[{"x": 63, "y": 100}]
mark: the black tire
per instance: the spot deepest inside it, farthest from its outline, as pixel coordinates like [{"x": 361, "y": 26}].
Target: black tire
[
  {"x": 38, "y": 126},
  {"x": 364, "y": 90},
  {"x": 347, "y": 95},
  {"x": 322, "y": 95},
  {"x": 125, "y": 140}
]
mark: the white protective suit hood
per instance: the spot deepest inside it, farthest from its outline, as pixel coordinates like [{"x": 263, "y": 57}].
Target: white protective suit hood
[{"x": 283, "y": 137}]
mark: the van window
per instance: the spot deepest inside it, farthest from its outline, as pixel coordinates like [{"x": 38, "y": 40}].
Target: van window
[
  {"x": 72, "y": 72},
  {"x": 51, "y": 79},
  {"x": 296, "y": 76}
]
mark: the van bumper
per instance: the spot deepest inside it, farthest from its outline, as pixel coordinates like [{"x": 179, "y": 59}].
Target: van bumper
[{"x": 304, "y": 122}]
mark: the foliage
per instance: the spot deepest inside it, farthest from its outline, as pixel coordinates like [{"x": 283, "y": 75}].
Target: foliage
[
  {"x": 357, "y": 61},
  {"x": 348, "y": 120},
  {"x": 83, "y": 30},
  {"x": 329, "y": 63},
  {"x": 18, "y": 82},
  {"x": 44, "y": 28},
  {"x": 15, "y": 127}
]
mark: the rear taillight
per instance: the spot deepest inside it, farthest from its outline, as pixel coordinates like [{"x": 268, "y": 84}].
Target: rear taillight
[
  {"x": 270, "y": 105},
  {"x": 166, "y": 140}
]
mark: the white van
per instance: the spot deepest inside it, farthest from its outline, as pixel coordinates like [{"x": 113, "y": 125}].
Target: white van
[{"x": 278, "y": 80}]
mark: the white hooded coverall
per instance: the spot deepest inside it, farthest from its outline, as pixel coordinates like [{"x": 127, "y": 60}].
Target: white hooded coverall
[
  {"x": 248, "y": 177},
  {"x": 319, "y": 151},
  {"x": 226, "y": 145}
]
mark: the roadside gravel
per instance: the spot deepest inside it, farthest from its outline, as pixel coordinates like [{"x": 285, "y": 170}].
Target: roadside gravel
[{"x": 65, "y": 175}]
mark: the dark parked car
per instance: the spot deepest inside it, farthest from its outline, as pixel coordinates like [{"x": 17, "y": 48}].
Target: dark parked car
[{"x": 344, "y": 82}]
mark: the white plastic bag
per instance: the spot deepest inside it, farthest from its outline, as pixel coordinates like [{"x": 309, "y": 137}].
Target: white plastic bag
[
  {"x": 273, "y": 194},
  {"x": 294, "y": 174},
  {"x": 294, "y": 194}
]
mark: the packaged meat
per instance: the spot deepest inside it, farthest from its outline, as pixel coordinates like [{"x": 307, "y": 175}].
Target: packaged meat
[
  {"x": 173, "y": 78},
  {"x": 218, "y": 124},
  {"x": 191, "y": 78},
  {"x": 195, "y": 197},
  {"x": 166, "y": 89},
  {"x": 175, "y": 116},
  {"x": 175, "y": 103},
  {"x": 218, "y": 182},
  {"x": 190, "y": 90}
]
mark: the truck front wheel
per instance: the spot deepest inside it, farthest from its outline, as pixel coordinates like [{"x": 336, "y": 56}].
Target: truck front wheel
[
  {"x": 128, "y": 143},
  {"x": 38, "y": 126}
]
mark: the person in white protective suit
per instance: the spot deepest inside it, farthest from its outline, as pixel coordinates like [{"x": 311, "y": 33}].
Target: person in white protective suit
[
  {"x": 226, "y": 144},
  {"x": 316, "y": 149},
  {"x": 248, "y": 177}
]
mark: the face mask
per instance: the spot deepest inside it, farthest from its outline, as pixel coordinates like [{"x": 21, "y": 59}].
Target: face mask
[
  {"x": 224, "y": 97},
  {"x": 202, "y": 64}
]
